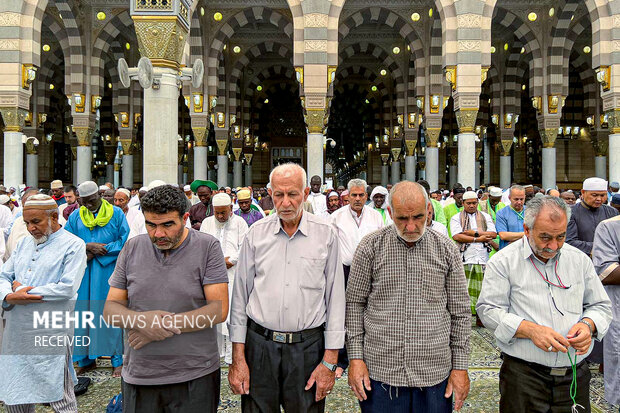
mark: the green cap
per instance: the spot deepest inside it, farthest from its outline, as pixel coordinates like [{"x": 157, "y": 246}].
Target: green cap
[{"x": 199, "y": 182}]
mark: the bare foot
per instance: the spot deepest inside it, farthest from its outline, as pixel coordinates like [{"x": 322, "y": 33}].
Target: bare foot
[
  {"x": 81, "y": 370},
  {"x": 117, "y": 371},
  {"x": 339, "y": 372}
]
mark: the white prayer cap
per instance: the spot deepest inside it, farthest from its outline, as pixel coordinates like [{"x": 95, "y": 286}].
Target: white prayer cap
[
  {"x": 595, "y": 184},
  {"x": 469, "y": 195},
  {"x": 333, "y": 193},
  {"x": 221, "y": 199},
  {"x": 88, "y": 188},
  {"x": 40, "y": 201},
  {"x": 143, "y": 189},
  {"x": 187, "y": 188},
  {"x": 103, "y": 187},
  {"x": 124, "y": 191},
  {"x": 4, "y": 199},
  {"x": 155, "y": 184},
  {"x": 175, "y": 185},
  {"x": 495, "y": 191},
  {"x": 56, "y": 184}
]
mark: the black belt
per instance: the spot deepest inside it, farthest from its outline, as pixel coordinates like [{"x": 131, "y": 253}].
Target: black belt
[
  {"x": 282, "y": 337},
  {"x": 549, "y": 371}
]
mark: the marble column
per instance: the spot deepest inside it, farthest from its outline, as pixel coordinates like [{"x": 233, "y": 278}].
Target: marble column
[
  {"x": 180, "y": 175},
  {"x": 117, "y": 175},
  {"x": 109, "y": 173},
  {"x": 431, "y": 171},
  {"x": 200, "y": 162},
  {"x": 487, "y": 162},
  {"x": 315, "y": 155},
  {"x": 548, "y": 137},
  {"x": 410, "y": 163},
  {"x": 84, "y": 154},
  {"x": 453, "y": 172},
  {"x": 477, "y": 174},
  {"x": 614, "y": 157},
  {"x": 161, "y": 112},
  {"x": 222, "y": 170},
  {"x": 467, "y": 158},
  {"x": 248, "y": 175},
  {"x": 505, "y": 164},
  {"x": 32, "y": 170},
  {"x": 395, "y": 172},
  {"x": 13, "y": 146},
  {"x": 128, "y": 171},
  {"x": 237, "y": 174},
  {"x": 385, "y": 169},
  {"x": 600, "y": 166}
]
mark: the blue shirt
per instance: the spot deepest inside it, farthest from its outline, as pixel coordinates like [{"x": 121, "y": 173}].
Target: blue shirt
[{"x": 507, "y": 220}]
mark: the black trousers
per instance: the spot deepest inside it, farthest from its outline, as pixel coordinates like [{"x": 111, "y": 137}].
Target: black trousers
[
  {"x": 343, "y": 357},
  {"x": 201, "y": 395},
  {"x": 525, "y": 388},
  {"x": 279, "y": 373}
]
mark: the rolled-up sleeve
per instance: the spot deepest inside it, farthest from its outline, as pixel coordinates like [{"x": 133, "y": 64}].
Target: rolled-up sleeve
[
  {"x": 334, "y": 297},
  {"x": 596, "y": 302},
  {"x": 243, "y": 286},
  {"x": 358, "y": 290},
  {"x": 459, "y": 309},
  {"x": 494, "y": 303}
]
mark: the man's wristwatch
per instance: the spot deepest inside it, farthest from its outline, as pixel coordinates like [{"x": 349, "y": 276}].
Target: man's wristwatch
[
  {"x": 590, "y": 326},
  {"x": 6, "y": 306},
  {"x": 476, "y": 234},
  {"x": 331, "y": 367}
]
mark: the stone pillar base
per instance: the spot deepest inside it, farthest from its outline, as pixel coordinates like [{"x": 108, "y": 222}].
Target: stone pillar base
[
  {"x": 200, "y": 162},
  {"x": 84, "y": 164},
  {"x": 505, "y": 172},
  {"x": 32, "y": 170},
  {"x": 548, "y": 168},
  {"x": 315, "y": 155},
  {"x": 385, "y": 179},
  {"x": 600, "y": 166},
  {"x": 410, "y": 168},
  {"x": 222, "y": 170},
  {"x": 128, "y": 171},
  {"x": 467, "y": 157},
  {"x": 237, "y": 174},
  {"x": 431, "y": 171},
  {"x": 395, "y": 173}
]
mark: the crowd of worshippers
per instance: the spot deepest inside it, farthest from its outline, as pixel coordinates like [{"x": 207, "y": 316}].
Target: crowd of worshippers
[{"x": 295, "y": 283}]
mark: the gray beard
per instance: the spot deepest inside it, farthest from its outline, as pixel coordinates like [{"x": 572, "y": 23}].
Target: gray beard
[
  {"x": 40, "y": 240},
  {"x": 220, "y": 225}
]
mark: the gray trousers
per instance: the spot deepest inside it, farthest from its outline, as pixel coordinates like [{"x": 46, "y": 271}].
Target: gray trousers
[{"x": 68, "y": 403}]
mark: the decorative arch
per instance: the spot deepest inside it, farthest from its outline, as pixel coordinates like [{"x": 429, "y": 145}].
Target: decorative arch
[{"x": 77, "y": 48}]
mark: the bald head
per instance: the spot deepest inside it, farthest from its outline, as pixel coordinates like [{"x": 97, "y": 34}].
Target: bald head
[
  {"x": 406, "y": 192},
  {"x": 290, "y": 173},
  {"x": 409, "y": 207}
]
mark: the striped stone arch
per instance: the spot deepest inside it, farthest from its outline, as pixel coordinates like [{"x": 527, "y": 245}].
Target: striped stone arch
[
  {"x": 437, "y": 82},
  {"x": 298, "y": 31},
  {"x": 449, "y": 26},
  {"x": 495, "y": 89},
  {"x": 120, "y": 24},
  {"x": 602, "y": 34},
  {"x": 532, "y": 47},
  {"x": 60, "y": 34},
  {"x": 557, "y": 74},
  {"x": 30, "y": 30},
  {"x": 196, "y": 39},
  {"x": 512, "y": 83},
  {"x": 384, "y": 16},
  {"x": 221, "y": 85},
  {"x": 51, "y": 64},
  {"x": 390, "y": 64},
  {"x": 260, "y": 78},
  {"x": 574, "y": 32},
  {"x": 375, "y": 105},
  {"x": 591, "y": 88},
  {"x": 260, "y": 49},
  {"x": 77, "y": 48},
  {"x": 291, "y": 87},
  {"x": 241, "y": 19}
]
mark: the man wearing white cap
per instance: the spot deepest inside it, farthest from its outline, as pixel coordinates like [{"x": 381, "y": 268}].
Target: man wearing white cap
[
  {"x": 121, "y": 200},
  {"x": 58, "y": 192},
  {"x": 47, "y": 265},
  {"x": 585, "y": 217},
  {"x": 6, "y": 216},
  {"x": 104, "y": 229},
  {"x": 379, "y": 198},
  {"x": 230, "y": 230},
  {"x": 474, "y": 231},
  {"x": 588, "y": 213},
  {"x": 193, "y": 199}
]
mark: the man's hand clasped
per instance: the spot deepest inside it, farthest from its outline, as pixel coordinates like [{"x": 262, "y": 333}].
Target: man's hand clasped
[{"x": 157, "y": 326}]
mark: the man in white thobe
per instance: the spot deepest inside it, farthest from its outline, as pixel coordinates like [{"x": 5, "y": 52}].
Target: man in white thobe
[{"x": 230, "y": 229}]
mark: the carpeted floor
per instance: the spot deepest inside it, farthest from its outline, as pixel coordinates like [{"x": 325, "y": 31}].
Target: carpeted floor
[{"x": 483, "y": 397}]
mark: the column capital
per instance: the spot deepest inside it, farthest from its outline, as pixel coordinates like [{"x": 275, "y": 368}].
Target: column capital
[
  {"x": 454, "y": 159},
  {"x": 31, "y": 148},
  {"x": 14, "y": 118},
  {"x": 161, "y": 39},
  {"x": 127, "y": 145},
  {"x": 237, "y": 153},
  {"x": 600, "y": 143},
  {"x": 110, "y": 153},
  {"x": 221, "y": 138},
  {"x": 410, "y": 144},
  {"x": 84, "y": 135},
  {"x": 248, "y": 158},
  {"x": 548, "y": 137},
  {"x": 613, "y": 120},
  {"x": 505, "y": 146},
  {"x": 432, "y": 137},
  {"x": 384, "y": 158},
  {"x": 548, "y": 122},
  {"x": 466, "y": 119},
  {"x": 316, "y": 120},
  {"x": 506, "y": 134},
  {"x": 200, "y": 135},
  {"x": 395, "y": 154}
]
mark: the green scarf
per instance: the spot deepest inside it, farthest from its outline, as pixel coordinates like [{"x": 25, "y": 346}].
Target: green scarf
[{"x": 106, "y": 211}]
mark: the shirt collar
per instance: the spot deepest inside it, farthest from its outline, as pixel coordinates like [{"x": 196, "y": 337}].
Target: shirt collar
[
  {"x": 354, "y": 214},
  {"x": 302, "y": 227},
  {"x": 402, "y": 241}
]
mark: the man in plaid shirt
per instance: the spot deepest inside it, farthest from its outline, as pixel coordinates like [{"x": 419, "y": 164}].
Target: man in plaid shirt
[{"x": 408, "y": 316}]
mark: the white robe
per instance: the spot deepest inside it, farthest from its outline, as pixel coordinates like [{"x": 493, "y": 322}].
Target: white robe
[{"x": 319, "y": 203}]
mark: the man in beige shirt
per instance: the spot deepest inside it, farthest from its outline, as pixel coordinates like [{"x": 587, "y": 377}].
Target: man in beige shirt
[{"x": 288, "y": 302}]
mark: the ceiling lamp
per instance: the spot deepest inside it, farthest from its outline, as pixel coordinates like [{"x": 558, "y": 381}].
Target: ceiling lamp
[
  {"x": 367, "y": 101},
  {"x": 51, "y": 86},
  {"x": 373, "y": 88},
  {"x": 532, "y": 17},
  {"x": 551, "y": 12},
  {"x": 218, "y": 16},
  {"x": 492, "y": 49},
  {"x": 127, "y": 46},
  {"x": 46, "y": 47},
  {"x": 522, "y": 87},
  {"x": 430, "y": 12},
  {"x": 396, "y": 50},
  {"x": 237, "y": 49},
  {"x": 383, "y": 72},
  {"x": 415, "y": 17},
  {"x": 522, "y": 50},
  {"x": 266, "y": 100},
  {"x": 587, "y": 49},
  {"x": 101, "y": 16},
  {"x": 259, "y": 88},
  {"x": 505, "y": 46},
  {"x": 202, "y": 11}
]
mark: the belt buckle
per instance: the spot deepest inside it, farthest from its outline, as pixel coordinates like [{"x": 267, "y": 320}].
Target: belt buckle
[
  {"x": 558, "y": 371},
  {"x": 279, "y": 337}
]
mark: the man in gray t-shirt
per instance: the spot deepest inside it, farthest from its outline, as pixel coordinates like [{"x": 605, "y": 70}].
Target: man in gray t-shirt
[{"x": 169, "y": 290}]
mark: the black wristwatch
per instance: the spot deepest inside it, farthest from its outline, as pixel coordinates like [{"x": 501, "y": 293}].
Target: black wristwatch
[
  {"x": 476, "y": 234},
  {"x": 6, "y": 306}
]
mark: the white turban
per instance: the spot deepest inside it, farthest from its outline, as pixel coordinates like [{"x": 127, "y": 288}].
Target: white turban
[
  {"x": 380, "y": 190},
  {"x": 495, "y": 191},
  {"x": 103, "y": 187},
  {"x": 469, "y": 195},
  {"x": 221, "y": 199},
  {"x": 187, "y": 188},
  {"x": 155, "y": 184},
  {"x": 124, "y": 191}
]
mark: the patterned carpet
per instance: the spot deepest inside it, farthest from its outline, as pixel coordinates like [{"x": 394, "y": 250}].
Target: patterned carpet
[{"x": 483, "y": 397}]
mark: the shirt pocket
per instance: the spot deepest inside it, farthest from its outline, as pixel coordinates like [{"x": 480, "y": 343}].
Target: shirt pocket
[
  {"x": 572, "y": 298},
  {"x": 312, "y": 272},
  {"x": 433, "y": 287}
]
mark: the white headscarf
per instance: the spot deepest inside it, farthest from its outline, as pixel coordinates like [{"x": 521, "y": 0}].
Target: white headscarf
[{"x": 382, "y": 191}]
